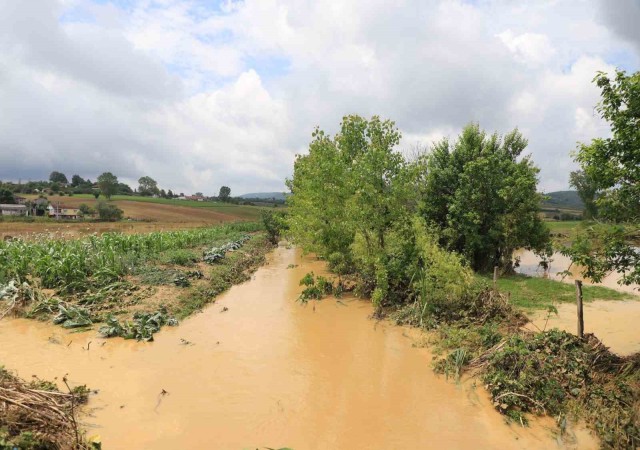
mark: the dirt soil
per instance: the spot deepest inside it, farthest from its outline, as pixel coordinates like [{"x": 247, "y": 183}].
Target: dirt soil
[{"x": 143, "y": 218}]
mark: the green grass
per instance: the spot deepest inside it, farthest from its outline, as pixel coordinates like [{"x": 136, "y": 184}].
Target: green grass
[
  {"x": 165, "y": 201},
  {"x": 566, "y": 226},
  {"x": 538, "y": 293}
]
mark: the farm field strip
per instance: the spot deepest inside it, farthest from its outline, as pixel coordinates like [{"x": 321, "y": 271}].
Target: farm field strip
[{"x": 81, "y": 282}]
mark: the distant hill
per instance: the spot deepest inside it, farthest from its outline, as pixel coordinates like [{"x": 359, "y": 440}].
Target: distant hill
[
  {"x": 563, "y": 199},
  {"x": 265, "y": 195}
]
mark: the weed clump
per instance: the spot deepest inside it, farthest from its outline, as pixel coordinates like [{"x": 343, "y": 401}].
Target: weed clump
[{"x": 317, "y": 287}]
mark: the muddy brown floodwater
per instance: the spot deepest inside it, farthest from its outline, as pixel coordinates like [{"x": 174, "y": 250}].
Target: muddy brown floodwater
[
  {"x": 529, "y": 265},
  {"x": 614, "y": 322},
  {"x": 269, "y": 372}
]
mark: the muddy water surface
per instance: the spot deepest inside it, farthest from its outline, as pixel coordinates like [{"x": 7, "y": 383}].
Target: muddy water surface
[
  {"x": 614, "y": 322},
  {"x": 529, "y": 265},
  {"x": 269, "y": 372}
]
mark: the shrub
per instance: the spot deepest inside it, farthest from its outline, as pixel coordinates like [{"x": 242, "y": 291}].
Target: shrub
[
  {"x": 108, "y": 211},
  {"x": 86, "y": 210},
  {"x": 274, "y": 222}
]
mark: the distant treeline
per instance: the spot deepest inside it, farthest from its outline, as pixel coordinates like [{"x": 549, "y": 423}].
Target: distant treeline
[{"x": 106, "y": 184}]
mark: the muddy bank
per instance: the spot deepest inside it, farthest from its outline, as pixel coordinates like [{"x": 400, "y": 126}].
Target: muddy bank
[{"x": 258, "y": 369}]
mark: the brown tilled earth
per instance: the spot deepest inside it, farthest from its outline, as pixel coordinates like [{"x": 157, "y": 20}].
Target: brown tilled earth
[{"x": 144, "y": 217}]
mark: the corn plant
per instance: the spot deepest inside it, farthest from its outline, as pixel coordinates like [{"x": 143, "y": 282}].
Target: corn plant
[{"x": 94, "y": 261}]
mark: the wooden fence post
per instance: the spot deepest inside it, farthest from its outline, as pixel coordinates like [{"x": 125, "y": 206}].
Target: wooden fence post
[
  {"x": 580, "y": 313},
  {"x": 495, "y": 278}
]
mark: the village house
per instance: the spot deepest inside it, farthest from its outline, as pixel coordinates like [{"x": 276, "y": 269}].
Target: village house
[
  {"x": 13, "y": 210},
  {"x": 197, "y": 198},
  {"x": 63, "y": 212},
  {"x": 19, "y": 200}
]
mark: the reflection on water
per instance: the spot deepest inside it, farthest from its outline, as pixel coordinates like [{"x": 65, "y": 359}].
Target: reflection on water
[{"x": 270, "y": 372}]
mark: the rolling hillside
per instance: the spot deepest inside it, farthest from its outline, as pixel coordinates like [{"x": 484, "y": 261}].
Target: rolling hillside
[
  {"x": 265, "y": 195},
  {"x": 563, "y": 200}
]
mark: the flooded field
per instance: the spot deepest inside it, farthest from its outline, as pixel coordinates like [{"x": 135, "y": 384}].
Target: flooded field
[
  {"x": 614, "y": 322},
  {"x": 257, "y": 369},
  {"x": 529, "y": 265}
]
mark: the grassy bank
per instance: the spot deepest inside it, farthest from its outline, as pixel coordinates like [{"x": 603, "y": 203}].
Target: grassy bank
[
  {"x": 538, "y": 293},
  {"x": 131, "y": 284}
]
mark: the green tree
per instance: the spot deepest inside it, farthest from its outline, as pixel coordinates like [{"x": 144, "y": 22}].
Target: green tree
[
  {"x": 6, "y": 197},
  {"x": 351, "y": 201},
  {"x": 108, "y": 211},
  {"x": 614, "y": 166},
  {"x": 587, "y": 191},
  {"x": 108, "y": 184},
  {"x": 77, "y": 180},
  {"x": 148, "y": 186},
  {"x": 170, "y": 193},
  {"x": 318, "y": 200},
  {"x": 224, "y": 194},
  {"x": 86, "y": 210},
  {"x": 58, "y": 177},
  {"x": 482, "y": 197},
  {"x": 614, "y": 163}
]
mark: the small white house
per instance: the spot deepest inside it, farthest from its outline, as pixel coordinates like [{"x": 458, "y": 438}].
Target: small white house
[{"x": 13, "y": 210}]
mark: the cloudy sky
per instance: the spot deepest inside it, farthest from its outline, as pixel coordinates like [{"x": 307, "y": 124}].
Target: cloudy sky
[{"x": 201, "y": 93}]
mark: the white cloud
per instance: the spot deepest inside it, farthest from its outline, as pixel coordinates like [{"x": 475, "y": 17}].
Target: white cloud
[
  {"x": 198, "y": 96},
  {"x": 532, "y": 49}
]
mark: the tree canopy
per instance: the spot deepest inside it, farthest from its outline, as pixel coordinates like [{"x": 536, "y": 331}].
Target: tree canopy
[
  {"x": 613, "y": 165},
  {"x": 77, "y": 180},
  {"x": 587, "y": 190},
  {"x": 58, "y": 177},
  {"x": 224, "y": 194},
  {"x": 148, "y": 186},
  {"x": 108, "y": 184},
  {"x": 6, "y": 197},
  {"x": 359, "y": 204},
  {"x": 481, "y": 194}
]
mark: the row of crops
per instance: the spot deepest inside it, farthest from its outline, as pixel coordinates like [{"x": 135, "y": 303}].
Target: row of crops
[{"x": 74, "y": 265}]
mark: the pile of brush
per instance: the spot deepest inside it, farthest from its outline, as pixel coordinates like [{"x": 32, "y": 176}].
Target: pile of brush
[
  {"x": 38, "y": 415},
  {"x": 559, "y": 374}
]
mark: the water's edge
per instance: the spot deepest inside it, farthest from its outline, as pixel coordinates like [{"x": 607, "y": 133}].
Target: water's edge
[{"x": 270, "y": 372}]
